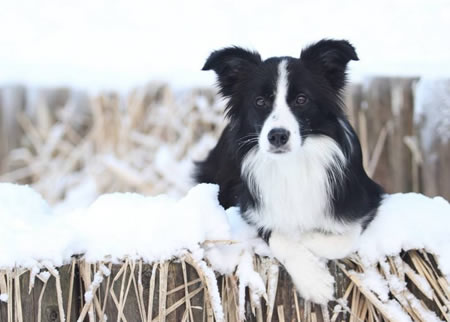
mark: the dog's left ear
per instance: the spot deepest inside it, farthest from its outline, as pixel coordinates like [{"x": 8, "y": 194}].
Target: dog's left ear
[
  {"x": 330, "y": 57},
  {"x": 231, "y": 65}
]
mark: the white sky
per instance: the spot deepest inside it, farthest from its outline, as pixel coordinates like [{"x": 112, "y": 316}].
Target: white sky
[{"x": 119, "y": 44}]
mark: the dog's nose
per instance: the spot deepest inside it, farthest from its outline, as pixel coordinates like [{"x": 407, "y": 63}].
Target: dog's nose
[{"x": 278, "y": 137}]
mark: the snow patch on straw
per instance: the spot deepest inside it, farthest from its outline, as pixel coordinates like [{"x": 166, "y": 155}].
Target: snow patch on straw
[
  {"x": 408, "y": 221},
  {"x": 151, "y": 228},
  {"x": 395, "y": 312},
  {"x": 251, "y": 279},
  {"x": 98, "y": 279},
  {"x": 372, "y": 280}
]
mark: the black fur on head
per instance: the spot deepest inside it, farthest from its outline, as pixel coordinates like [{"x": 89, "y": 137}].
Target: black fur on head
[
  {"x": 330, "y": 57},
  {"x": 231, "y": 65}
]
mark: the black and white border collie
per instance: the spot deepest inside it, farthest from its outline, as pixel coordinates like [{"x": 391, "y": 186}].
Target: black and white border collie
[{"x": 290, "y": 159}]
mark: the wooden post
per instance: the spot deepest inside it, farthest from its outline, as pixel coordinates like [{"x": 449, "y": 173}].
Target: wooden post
[
  {"x": 376, "y": 108},
  {"x": 399, "y": 155},
  {"x": 432, "y": 126},
  {"x": 12, "y": 101},
  {"x": 388, "y": 117},
  {"x": 353, "y": 99}
]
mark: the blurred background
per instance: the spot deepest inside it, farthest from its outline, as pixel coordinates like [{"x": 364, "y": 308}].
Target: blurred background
[{"x": 100, "y": 96}]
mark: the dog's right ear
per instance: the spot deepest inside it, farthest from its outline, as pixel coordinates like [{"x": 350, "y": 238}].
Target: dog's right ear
[{"x": 231, "y": 64}]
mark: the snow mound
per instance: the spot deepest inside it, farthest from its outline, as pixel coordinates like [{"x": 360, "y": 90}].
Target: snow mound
[
  {"x": 408, "y": 221},
  {"x": 20, "y": 202},
  {"x": 115, "y": 226},
  {"x": 131, "y": 225}
]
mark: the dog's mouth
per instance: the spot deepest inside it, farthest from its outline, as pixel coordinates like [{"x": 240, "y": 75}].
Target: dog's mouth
[{"x": 279, "y": 150}]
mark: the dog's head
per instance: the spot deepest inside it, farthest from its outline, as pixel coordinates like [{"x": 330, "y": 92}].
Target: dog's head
[{"x": 280, "y": 102}]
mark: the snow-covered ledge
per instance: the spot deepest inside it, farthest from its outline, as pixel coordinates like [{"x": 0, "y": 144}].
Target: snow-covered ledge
[{"x": 121, "y": 233}]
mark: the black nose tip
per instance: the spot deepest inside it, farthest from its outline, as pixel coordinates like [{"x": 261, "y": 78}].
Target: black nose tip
[{"x": 278, "y": 137}]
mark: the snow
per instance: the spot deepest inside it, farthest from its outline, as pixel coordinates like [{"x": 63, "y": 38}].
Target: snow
[
  {"x": 45, "y": 275},
  {"x": 373, "y": 280},
  {"x": 160, "y": 227},
  {"x": 404, "y": 222},
  {"x": 130, "y": 225},
  {"x": 120, "y": 44},
  {"x": 426, "y": 314},
  {"x": 98, "y": 279},
  {"x": 105, "y": 270},
  {"x": 4, "y": 297},
  {"x": 395, "y": 312},
  {"x": 115, "y": 226},
  {"x": 423, "y": 284},
  {"x": 80, "y": 195},
  {"x": 12, "y": 203},
  {"x": 408, "y": 221},
  {"x": 213, "y": 289},
  {"x": 251, "y": 279}
]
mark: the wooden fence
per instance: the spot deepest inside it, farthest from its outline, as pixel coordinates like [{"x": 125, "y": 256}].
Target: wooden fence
[
  {"x": 181, "y": 290},
  {"x": 382, "y": 112},
  {"x": 135, "y": 291},
  {"x": 392, "y": 135}
]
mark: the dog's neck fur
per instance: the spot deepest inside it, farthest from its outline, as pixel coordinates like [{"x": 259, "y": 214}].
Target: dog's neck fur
[{"x": 293, "y": 193}]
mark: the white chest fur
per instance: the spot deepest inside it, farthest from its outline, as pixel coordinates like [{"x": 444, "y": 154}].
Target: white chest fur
[{"x": 294, "y": 189}]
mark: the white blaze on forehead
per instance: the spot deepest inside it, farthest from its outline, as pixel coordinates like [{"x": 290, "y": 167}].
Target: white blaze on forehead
[
  {"x": 281, "y": 116},
  {"x": 282, "y": 85}
]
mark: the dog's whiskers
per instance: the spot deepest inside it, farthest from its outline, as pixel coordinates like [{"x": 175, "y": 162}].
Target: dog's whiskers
[
  {"x": 242, "y": 143},
  {"x": 249, "y": 136}
]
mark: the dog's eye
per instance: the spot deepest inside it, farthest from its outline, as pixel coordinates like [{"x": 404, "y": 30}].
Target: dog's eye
[
  {"x": 260, "y": 101},
  {"x": 301, "y": 99}
]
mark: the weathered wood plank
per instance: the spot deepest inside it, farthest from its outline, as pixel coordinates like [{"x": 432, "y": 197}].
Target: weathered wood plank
[
  {"x": 29, "y": 305},
  {"x": 175, "y": 280},
  {"x": 174, "y": 307},
  {"x": 12, "y": 101},
  {"x": 377, "y": 112},
  {"x": 353, "y": 99},
  {"x": 387, "y": 119},
  {"x": 398, "y": 154},
  {"x": 50, "y": 310},
  {"x": 118, "y": 289},
  {"x": 432, "y": 126}
]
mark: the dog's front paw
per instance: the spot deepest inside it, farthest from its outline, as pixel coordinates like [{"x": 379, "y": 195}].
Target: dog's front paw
[
  {"x": 309, "y": 274},
  {"x": 316, "y": 286}
]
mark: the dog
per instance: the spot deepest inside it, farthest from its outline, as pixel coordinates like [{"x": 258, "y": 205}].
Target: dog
[{"x": 290, "y": 159}]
